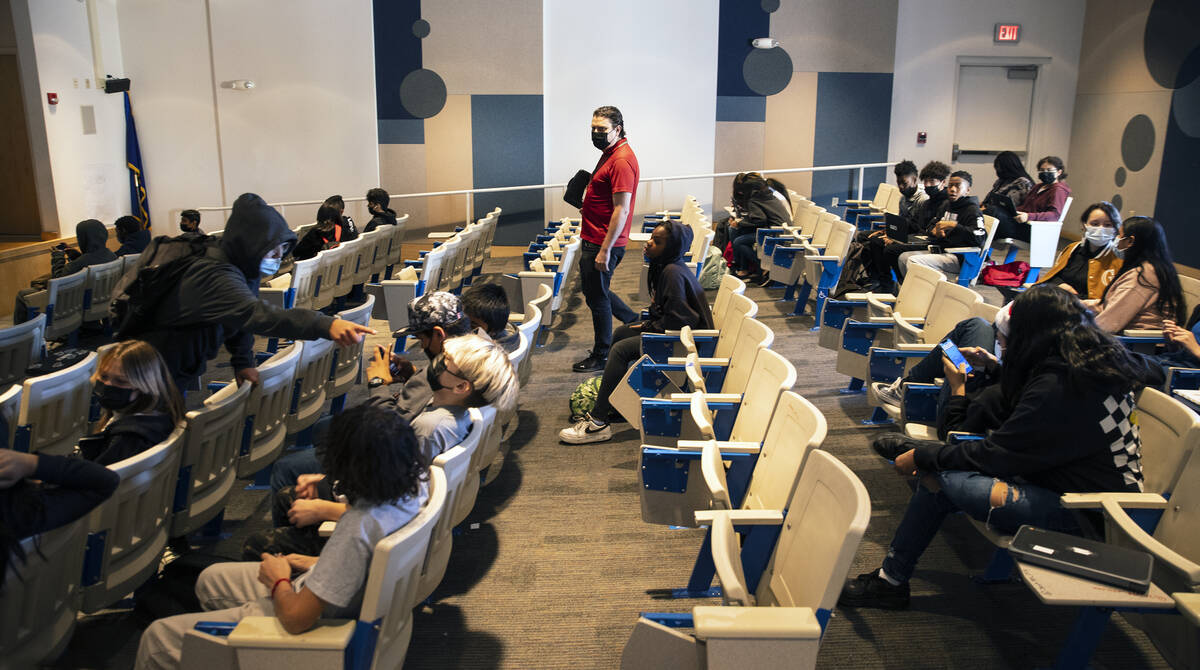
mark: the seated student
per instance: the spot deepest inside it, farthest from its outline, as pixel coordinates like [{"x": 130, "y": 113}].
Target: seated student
[
  {"x": 1088, "y": 266},
  {"x": 1146, "y": 289},
  {"x": 1183, "y": 343},
  {"x": 1044, "y": 203},
  {"x": 132, "y": 236},
  {"x": 40, "y": 492},
  {"x": 676, "y": 300},
  {"x": 487, "y": 307},
  {"x": 756, "y": 206},
  {"x": 1070, "y": 386},
  {"x": 960, "y": 226},
  {"x": 347, "y": 230},
  {"x": 1012, "y": 184},
  {"x": 189, "y": 221},
  {"x": 470, "y": 372},
  {"x": 881, "y": 256},
  {"x": 92, "y": 237},
  {"x": 139, "y": 404},
  {"x": 325, "y": 235},
  {"x": 381, "y": 215},
  {"x": 374, "y": 457},
  {"x": 854, "y": 276}
]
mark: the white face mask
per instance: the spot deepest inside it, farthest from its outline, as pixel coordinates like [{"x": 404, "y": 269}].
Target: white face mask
[{"x": 1099, "y": 236}]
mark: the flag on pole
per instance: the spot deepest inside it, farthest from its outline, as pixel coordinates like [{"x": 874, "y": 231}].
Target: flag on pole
[{"x": 139, "y": 204}]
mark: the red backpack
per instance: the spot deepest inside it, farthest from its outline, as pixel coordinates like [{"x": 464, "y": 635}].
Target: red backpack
[{"x": 1008, "y": 274}]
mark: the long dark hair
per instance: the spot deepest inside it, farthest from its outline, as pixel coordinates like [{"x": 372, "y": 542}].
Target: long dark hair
[
  {"x": 1150, "y": 246},
  {"x": 373, "y": 455},
  {"x": 1048, "y": 322},
  {"x": 747, "y": 185},
  {"x": 1109, "y": 209},
  {"x": 1009, "y": 167}
]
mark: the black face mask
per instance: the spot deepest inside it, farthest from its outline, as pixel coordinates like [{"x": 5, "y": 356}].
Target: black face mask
[
  {"x": 908, "y": 192},
  {"x": 1047, "y": 176},
  {"x": 600, "y": 140},
  {"x": 932, "y": 191},
  {"x": 434, "y": 372},
  {"x": 112, "y": 398}
]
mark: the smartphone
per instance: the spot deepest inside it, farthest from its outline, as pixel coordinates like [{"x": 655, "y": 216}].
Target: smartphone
[{"x": 955, "y": 355}]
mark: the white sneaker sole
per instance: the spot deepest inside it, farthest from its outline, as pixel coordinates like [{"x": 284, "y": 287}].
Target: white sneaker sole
[{"x": 588, "y": 438}]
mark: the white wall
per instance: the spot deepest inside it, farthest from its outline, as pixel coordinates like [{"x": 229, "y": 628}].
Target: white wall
[
  {"x": 90, "y": 178},
  {"x": 932, "y": 34},
  {"x": 657, "y": 63}
]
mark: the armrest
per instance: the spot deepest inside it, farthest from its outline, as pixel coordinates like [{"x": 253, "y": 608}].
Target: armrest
[
  {"x": 708, "y": 397},
  {"x": 696, "y": 332},
  {"x": 1188, "y": 605},
  {"x": 1143, "y": 540},
  {"x": 881, "y": 320},
  {"x": 791, "y": 623},
  {"x": 723, "y": 447},
  {"x": 1125, "y": 500},
  {"x": 532, "y": 273},
  {"x": 880, "y": 297},
  {"x": 440, "y": 236},
  {"x": 1132, "y": 332},
  {"x": 326, "y": 528},
  {"x": 266, "y": 631},
  {"x": 857, "y": 202},
  {"x": 823, "y": 258},
  {"x": 742, "y": 517},
  {"x": 682, "y": 360},
  {"x": 916, "y": 347}
]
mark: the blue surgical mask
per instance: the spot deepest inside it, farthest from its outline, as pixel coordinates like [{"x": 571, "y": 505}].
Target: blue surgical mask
[{"x": 268, "y": 267}]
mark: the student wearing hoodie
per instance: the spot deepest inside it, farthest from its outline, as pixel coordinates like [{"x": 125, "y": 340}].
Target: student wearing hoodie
[
  {"x": 960, "y": 225},
  {"x": 882, "y": 254},
  {"x": 139, "y": 404},
  {"x": 1067, "y": 389},
  {"x": 216, "y": 299},
  {"x": 133, "y": 237},
  {"x": 756, "y": 206},
  {"x": 377, "y": 204},
  {"x": 324, "y": 235},
  {"x": 676, "y": 300},
  {"x": 92, "y": 237}
]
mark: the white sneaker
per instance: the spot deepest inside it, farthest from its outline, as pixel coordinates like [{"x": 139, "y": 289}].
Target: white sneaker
[
  {"x": 584, "y": 432},
  {"x": 888, "y": 394}
]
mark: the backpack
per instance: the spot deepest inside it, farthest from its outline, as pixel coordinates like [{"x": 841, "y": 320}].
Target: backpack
[
  {"x": 1007, "y": 274},
  {"x": 159, "y": 270},
  {"x": 583, "y": 399},
  {"x": 713, "y": 271}
]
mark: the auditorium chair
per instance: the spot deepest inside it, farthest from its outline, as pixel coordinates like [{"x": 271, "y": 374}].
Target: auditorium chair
[
  {"x": 345, "y": 259},
  {"x": 62, "y": 303},
  {"x": 971, "y": 258},
  {"x": 821, "y": 269},
  {"x": 41, "y": 597},
  {"x": 267, "y": 411},
  {"x": 377, "y": 639},
  {"x": 54, "y": 409},
  {"x": 759, "y": 476},
  {"x": 531, "y": 324},
  {"x": 394, "y": 253},
  {"x": 716, "y": 343},
  {"x": 780, "y": 624},
  {"x": 804, "y": 226},
  {"x": 21, "y": 346},
  {"x": 870, "y": 317},
  {"x": 298, "y": 288},
  {"x": 130, "y": 261},
  {"x": 208, "y": 459},
  {"x": 867, "y": 213},
  {"x": 313, "y": 373},
  {"x": 98, "y": 289},
  {"x": 1042, "y": 244},
  {"x": 10, "y": 406},
  {"x": 413, "y": 281},
  {"x": 348, "y": 360},
  {"x": 128, "y": 532}
]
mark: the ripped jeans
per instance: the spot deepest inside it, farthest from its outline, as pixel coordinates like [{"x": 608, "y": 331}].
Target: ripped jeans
[{"x": 942, "y": 493}]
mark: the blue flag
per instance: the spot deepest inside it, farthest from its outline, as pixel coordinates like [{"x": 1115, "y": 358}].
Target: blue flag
[{"x": 139, "y": 204}]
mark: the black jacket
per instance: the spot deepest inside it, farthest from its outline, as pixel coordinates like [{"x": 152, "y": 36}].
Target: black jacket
[
  {"x": 1058, "y": 435},
  {"x": 92, "y": 237},
  {"x": 313, "y": 243},
  {"x": 68, "y": 489},
  {"x": 928, "y": 213},
  {"x": 135, "y": 243},
  {"x": 969, "y": 232},
  {"x": 385, "y": 218},
  {"x": 126, "y": 436},
  {"x": 217, "y": 298},
  {"x": 676, "y": 297},
  {"x": 764, "y": 210}
]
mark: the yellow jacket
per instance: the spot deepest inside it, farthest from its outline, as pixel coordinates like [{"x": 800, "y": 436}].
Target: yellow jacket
[{"x": 1101, "y": 269}]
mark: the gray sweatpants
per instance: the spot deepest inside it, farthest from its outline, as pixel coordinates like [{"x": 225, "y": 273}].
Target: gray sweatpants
[{"x": 227, "y": 592}]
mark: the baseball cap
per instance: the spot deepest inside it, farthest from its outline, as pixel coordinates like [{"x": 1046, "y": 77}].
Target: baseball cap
[{"x": 433, "y": 309}]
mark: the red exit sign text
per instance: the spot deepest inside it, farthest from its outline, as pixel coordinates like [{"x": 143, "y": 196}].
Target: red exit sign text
[{"x": 1009, "y": 33}]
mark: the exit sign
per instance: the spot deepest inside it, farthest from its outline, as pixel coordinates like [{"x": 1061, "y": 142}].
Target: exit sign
[{"x": 1009, "y": 33}]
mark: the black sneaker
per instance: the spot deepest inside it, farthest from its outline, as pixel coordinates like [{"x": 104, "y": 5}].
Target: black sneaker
[
  {"x": 590, "y": 364},
  {"x": 891, "y": 445},
  {"x": 871, "y": 590}
]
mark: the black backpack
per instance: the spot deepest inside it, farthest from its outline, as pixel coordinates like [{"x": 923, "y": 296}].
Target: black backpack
[{"x": 159, "y": 270}]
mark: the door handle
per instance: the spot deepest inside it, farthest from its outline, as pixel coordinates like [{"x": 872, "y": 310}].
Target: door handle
[{"x": 954, "y": 153}]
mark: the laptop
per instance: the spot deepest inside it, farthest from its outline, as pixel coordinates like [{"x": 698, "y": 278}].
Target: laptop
[
  {"x": 1117, "y": 566},
  {"x": 896, "y": 226}
]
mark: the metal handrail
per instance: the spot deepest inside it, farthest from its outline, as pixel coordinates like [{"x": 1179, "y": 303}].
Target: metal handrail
[{"x": 470, "y": 192}]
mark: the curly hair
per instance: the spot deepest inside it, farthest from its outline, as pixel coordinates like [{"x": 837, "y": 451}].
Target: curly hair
[{"x": 373, "y": 455}]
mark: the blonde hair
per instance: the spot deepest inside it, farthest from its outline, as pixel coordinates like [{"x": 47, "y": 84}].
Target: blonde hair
[
  {"x": 142, "y": 365},
  {"x": 486, "y": 366}
]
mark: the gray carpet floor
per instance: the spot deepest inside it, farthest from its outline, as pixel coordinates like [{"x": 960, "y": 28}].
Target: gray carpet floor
[{"x": 554, "y": 563}]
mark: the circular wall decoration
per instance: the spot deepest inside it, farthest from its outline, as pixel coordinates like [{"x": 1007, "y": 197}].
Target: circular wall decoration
[
  {"x": 423, "y": 93},
  {"x": 1119, "y": 178},
  {"x": 1117, "y": 201},
  {"x": 420, "y": 28},
  {"x": 770, "y": 5},
  {"x": 1172, "y": 42},
  {"x": 767, "y": 71},
  {"x": 1137, "y": 142}
]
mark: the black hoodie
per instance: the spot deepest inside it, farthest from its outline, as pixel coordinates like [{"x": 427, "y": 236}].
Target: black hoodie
[
  {"x": 217, "y": 299},
  {"x": 126, "y": 436},
  {"x": 969, "y": 232},
  {"x": 387, "y": 217},
  {"x": 92, "y": 237},
  {"x": 134, "y": 243},
  {"x": 676, "y": 297}
]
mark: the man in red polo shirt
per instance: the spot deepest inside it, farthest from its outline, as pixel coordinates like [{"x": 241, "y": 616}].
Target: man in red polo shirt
[{"x": 606, "y": 214}]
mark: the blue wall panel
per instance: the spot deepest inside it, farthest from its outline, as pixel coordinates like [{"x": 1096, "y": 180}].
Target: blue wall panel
[
  {"x": 853, "y": 116},
  {"x": 741, "y": 108},
  {"x": 397, "y": 52},
  {"x": 1175, "y": 204},
  {"x": 506, "y": 148},
  {"x": 740, "y": 22}
]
